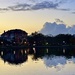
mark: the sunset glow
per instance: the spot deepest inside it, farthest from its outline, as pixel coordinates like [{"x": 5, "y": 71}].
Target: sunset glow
[{"x": 31, "y": 15}]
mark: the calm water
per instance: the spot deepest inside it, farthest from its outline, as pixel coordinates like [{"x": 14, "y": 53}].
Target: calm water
[{"x": 47, "y": 61}]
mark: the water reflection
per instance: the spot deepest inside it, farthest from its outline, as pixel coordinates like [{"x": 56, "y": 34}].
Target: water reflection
[
  {"x": 14, "y": 56},
  {"x": 50, "y": 56}
]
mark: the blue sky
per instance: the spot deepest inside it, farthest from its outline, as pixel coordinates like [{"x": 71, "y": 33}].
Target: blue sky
[
  {"x": 64, "y": 4},
  {"x": 31, "y": 15}
]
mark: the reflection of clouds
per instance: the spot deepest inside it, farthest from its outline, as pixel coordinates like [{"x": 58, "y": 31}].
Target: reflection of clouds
[
  {"x": 57, "y": 62},
  {"x": 72, "y": 60},
  {"x": 54, "y": 61}
]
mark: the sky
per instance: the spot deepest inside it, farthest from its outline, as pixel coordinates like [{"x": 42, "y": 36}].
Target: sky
[{"x": 32, "y": 15}]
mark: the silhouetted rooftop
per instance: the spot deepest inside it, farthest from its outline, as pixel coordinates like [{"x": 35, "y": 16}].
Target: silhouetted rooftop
[{"x": 14, "y": 31}]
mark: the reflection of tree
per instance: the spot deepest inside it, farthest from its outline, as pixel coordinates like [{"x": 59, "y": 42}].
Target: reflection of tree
[
  {"x": 54, "y": 56},
  {"x": 41, "y": 52},
  {"x": 49, "y": 55}
]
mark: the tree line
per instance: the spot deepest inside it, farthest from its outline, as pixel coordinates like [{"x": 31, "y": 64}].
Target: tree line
[{"x": 38, "y": 39}]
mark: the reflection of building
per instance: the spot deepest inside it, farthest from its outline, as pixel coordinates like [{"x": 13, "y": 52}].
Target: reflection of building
[
  {"x": 14, "y": 57},
  {"x": 15, "y": 36}
]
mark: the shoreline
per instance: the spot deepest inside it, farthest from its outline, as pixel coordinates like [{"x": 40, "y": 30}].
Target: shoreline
[{"x": 63, "y": 46}]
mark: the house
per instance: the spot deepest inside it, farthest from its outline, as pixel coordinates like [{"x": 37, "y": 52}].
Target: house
[{"x": 15, "y": 36}]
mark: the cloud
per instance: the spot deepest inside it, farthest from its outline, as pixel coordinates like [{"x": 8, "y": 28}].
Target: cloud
[
  {"x": 4, "y": 9},
  {"x": 45, "y": 5},
  {"x": 73, "y": 12},
  {"x": 55, "y": 29},
  {"x": 59, "y": 21},
  {"x": 33, "y": 1},
  {"x": 63, "y": 9},
  {"x": 36, "y": 6},
  {"x": 55, "y": 1},
  {"x": 20, "y": 7}
]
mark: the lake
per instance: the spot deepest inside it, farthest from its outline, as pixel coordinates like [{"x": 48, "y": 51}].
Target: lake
[{"x": 37, "y": 61}]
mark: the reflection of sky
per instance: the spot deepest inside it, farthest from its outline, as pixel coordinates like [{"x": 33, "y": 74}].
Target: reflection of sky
[
  {"x": 48, "y": 65},
  {"x": 39, "y": 68},
  {"x": 56, "y": 60}
]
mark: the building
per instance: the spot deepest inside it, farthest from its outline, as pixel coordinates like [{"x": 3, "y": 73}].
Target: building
[{"x": 15, "y": 36}]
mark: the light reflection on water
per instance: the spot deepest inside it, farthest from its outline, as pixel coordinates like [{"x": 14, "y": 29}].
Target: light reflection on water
[{"x": 37, "y": 61}]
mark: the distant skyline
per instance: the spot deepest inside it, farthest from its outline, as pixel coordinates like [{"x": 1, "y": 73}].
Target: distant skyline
[{"x": 31, "y": 15}]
